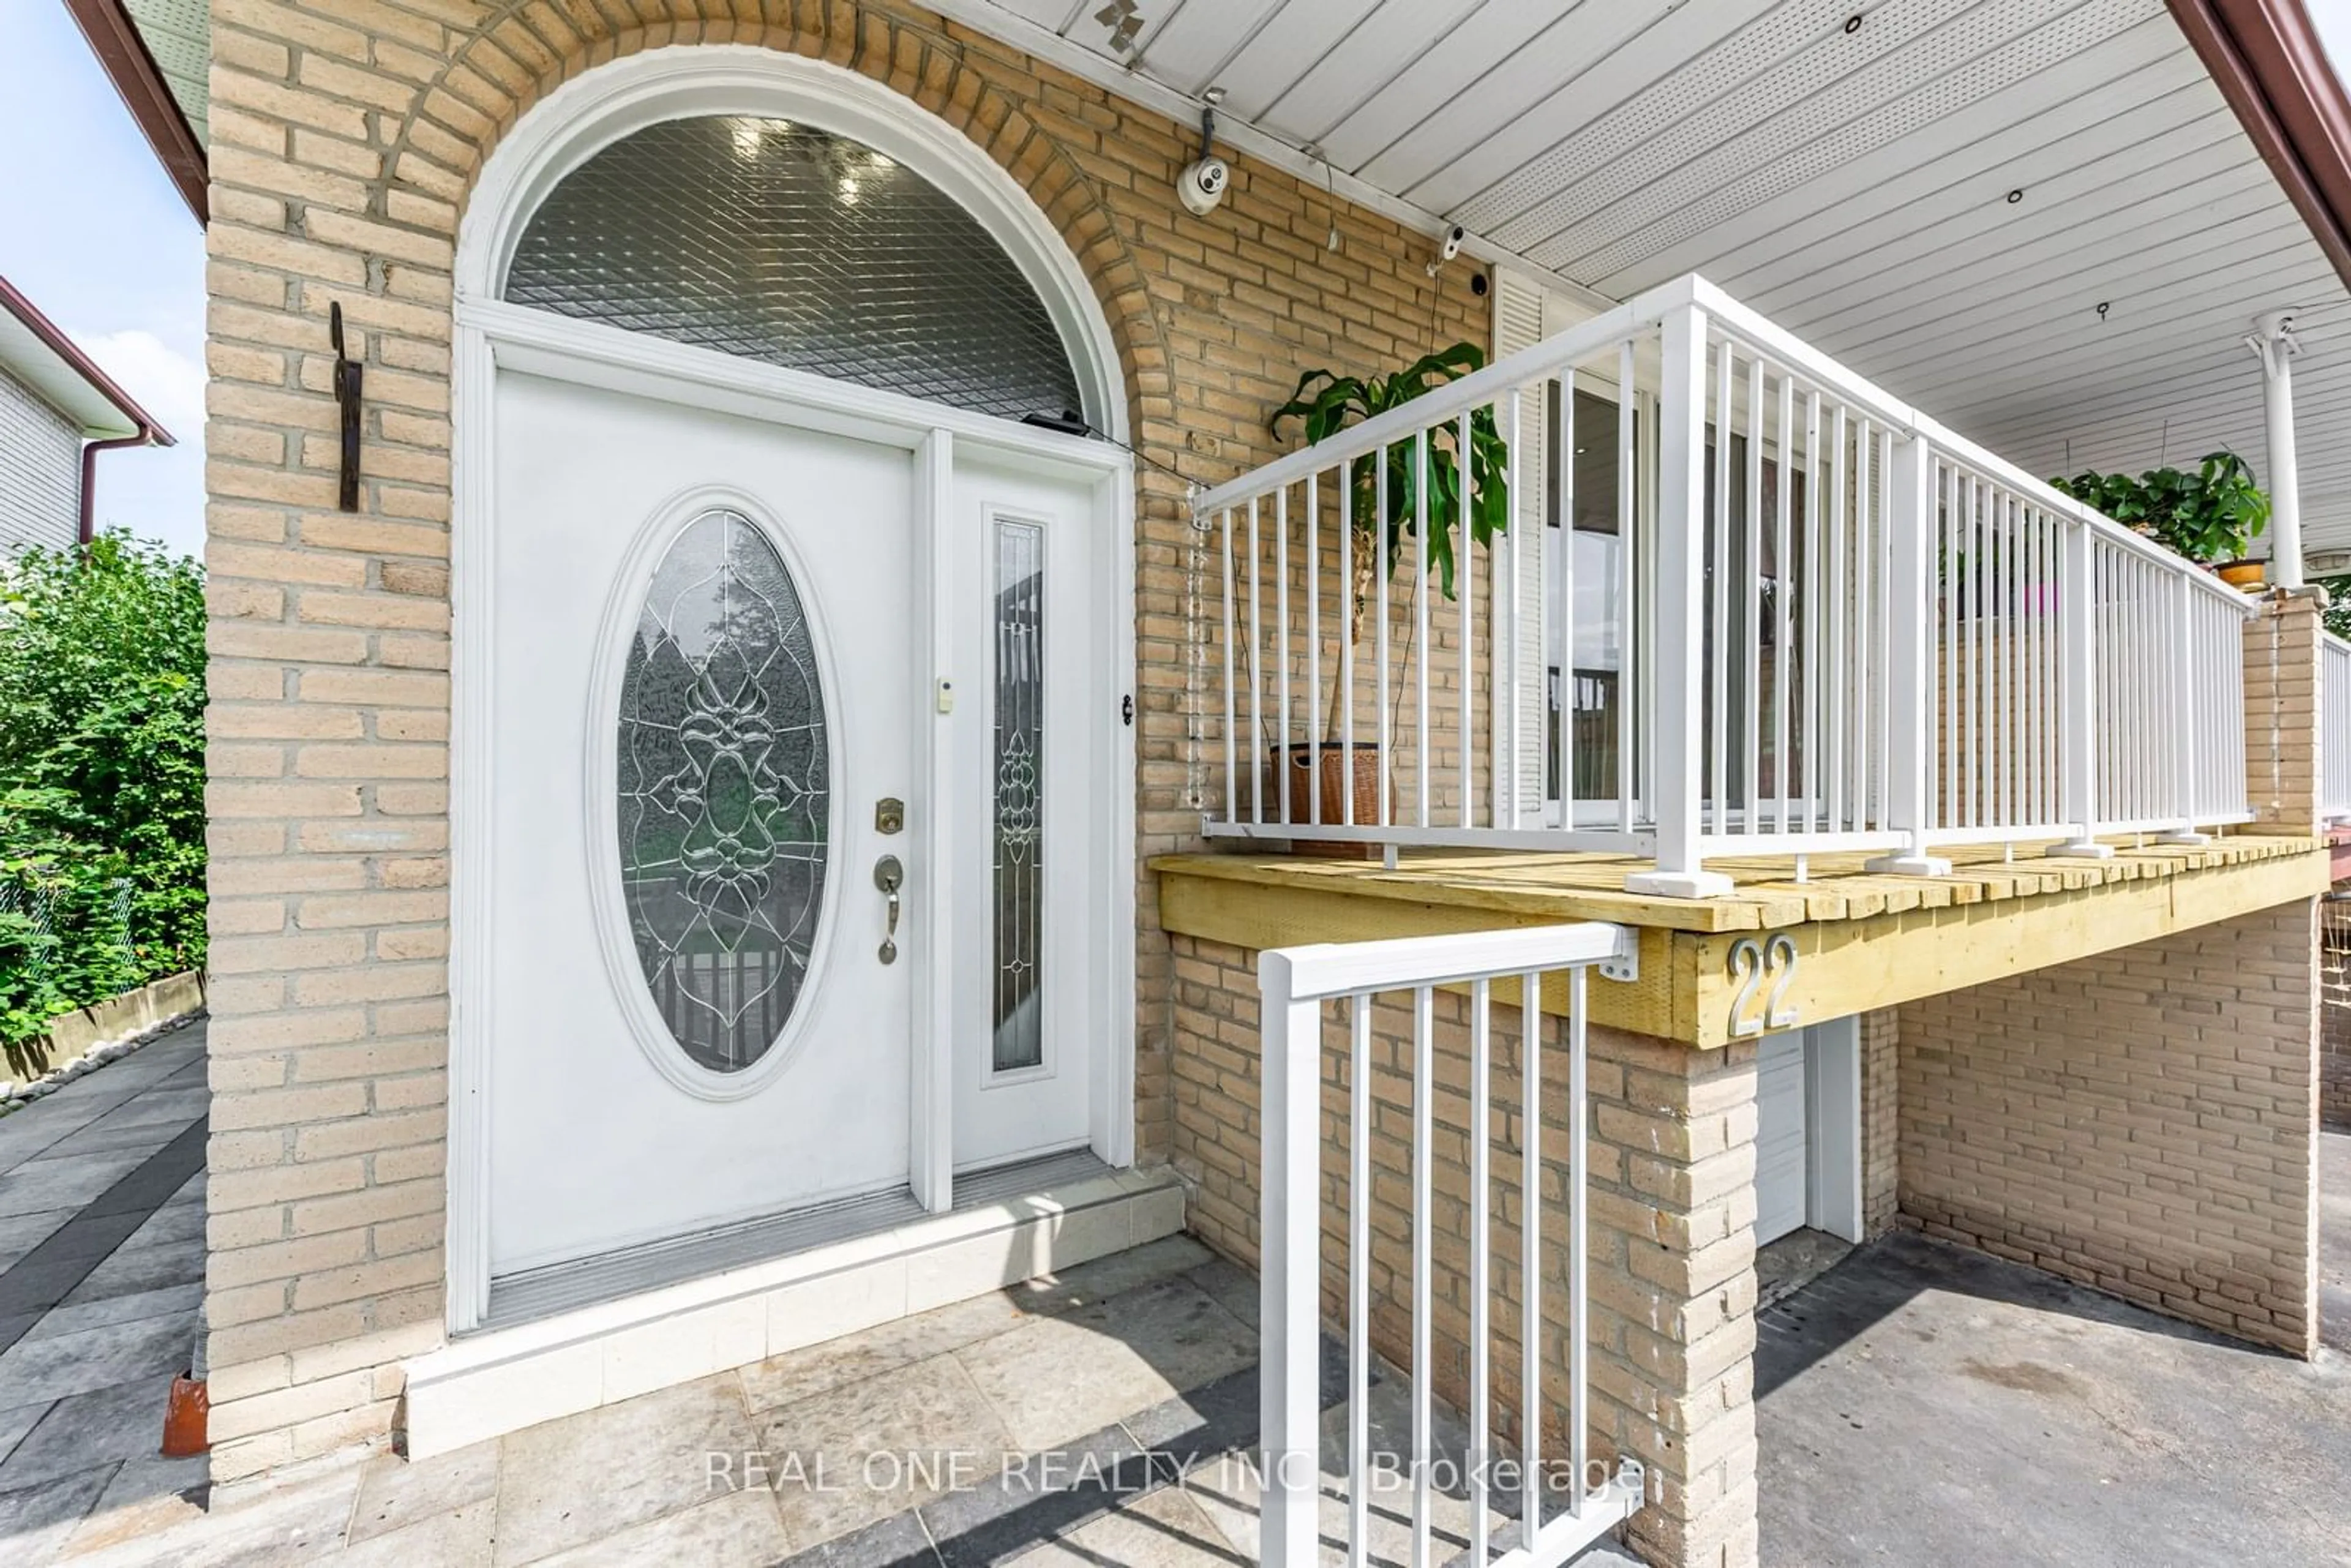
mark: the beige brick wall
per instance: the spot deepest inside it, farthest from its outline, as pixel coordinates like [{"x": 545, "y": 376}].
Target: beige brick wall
[
  {"x": 2143, "y": 1121},
  {"x": 2282, "y": 714},
  {"x": 345, "y": 138},
  {"x": 1671, "y": 1240},
  {"x": 1881, "y": 1131}
]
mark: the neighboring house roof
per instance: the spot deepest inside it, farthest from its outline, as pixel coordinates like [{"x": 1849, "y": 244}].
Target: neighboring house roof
[
  {"x": 2271, "y": 68},
  {"x": 35, "y": 353},
  {"x": 158, "y": 53}
]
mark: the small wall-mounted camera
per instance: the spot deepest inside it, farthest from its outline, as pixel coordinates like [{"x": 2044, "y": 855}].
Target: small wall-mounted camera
[
  {"x": 1202, "y": 184},
  {"x": 1453, "y": 238}
]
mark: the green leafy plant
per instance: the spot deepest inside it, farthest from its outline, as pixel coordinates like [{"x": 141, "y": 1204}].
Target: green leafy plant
[
  {"x": 2336, "y": 616},
  {"x": 1326, "y": 404},
  {"x": 2210, "y": 515},
  {"x": 101, "y": 779}
]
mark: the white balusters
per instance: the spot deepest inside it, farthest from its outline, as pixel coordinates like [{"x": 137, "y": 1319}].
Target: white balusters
[{"x": 1294, "y": 984}]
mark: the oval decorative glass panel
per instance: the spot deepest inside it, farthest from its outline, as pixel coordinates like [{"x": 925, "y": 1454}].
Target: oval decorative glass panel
[{"x": 725, "y": 796}]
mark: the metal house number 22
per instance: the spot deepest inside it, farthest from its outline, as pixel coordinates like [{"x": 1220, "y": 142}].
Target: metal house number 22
[{"x": 1749, "y": 962}]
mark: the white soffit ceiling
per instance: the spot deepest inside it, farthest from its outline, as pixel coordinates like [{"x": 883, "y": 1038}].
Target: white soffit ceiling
[{"x": 1854, "y": 184}]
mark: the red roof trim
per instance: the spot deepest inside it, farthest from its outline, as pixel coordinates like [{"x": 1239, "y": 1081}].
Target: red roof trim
[
  {"x": 2267, "y": 60},
  {"x": 114, "y": 38}
]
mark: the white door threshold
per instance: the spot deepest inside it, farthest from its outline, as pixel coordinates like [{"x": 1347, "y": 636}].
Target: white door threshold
[{"x": 502, "y": 1380}]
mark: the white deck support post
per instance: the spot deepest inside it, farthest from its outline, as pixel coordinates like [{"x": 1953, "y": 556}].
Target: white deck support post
[
  {"x": 2273, "y": 342},
  {"x": 1677, "y": 646},
  {"x": 1288, "y": 1283},
  {"x": 2077, "y": 715},
  {"x": 1910, "y": 709}
]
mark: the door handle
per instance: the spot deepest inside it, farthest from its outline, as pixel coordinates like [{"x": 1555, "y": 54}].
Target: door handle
[{"x": 890, "y": 876}]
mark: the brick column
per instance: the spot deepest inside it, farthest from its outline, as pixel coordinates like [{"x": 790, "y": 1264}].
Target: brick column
[
  {"x": 1881, "y": 1132},
  {"x": 2282, "y": 738},
  {"x": 1673, "y": 1288}
]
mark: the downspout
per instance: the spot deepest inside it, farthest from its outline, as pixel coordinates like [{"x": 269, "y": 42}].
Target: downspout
[{"x": 89, "y": 451}]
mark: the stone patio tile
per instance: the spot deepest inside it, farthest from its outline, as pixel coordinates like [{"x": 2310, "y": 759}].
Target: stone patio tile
[
  {"x": 298, "y": 1525},
  {"x": 1054, "y": 1379},
  {"x": 185, "y": 1301},
  {"x": 1033, "y": 1495},
  {"x": 565, "y": 1483},
  {"x": 91, "y": 1359},
  {"x": 148, "y": 1495},
  {"x": 737, "y": 1530},
  {"x": 34, "y": 1521},
  {"x": 107, "y": 1135},
  {"x": 463, "y": 1538},
  {"x": 159, "y": 1105},
  {"x": 898, "y": 1541},
  {"x": 53, "y": 1182},
  {"x": 20, "y": 1233},
  {"x": 1164, "y": 1529},
  {"x": 820, "y": 1368},
  {"x": 138, "y": 1266},
  {"x": 84, "y": 1430},
  {"x": 861, "y": 1453},
  {"x": 395, "y": 1493},
  {"x": 1231, "y": 1287},
  {"x": 15, "y": 1420},
  {"x": 1089, "y": 1283}
]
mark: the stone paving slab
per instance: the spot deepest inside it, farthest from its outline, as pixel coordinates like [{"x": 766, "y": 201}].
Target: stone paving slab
[{"x": 101, "y": 1268}]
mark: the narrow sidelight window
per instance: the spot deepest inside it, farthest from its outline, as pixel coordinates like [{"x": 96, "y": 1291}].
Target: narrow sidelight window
[{"x": 1020, "y": 793}]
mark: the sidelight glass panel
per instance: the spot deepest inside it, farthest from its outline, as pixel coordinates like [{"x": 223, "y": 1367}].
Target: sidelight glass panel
[
  {"x": 725, "y": 792},
  {"x": 1020, "y": 793},
  {"x": 781, "y": 241}
]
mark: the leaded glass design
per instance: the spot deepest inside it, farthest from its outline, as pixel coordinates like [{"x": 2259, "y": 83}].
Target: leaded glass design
[
  {"x": 725, "y": 792},
  {"x": 780, "y": 242},
  {"x": 1020, "y": 793}
]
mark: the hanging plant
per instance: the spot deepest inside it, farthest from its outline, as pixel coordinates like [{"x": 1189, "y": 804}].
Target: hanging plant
[{"x": 2210, "y": 515}]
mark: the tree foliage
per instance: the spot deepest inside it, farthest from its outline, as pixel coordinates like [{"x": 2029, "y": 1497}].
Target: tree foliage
[{"x": 101, "y": 776}]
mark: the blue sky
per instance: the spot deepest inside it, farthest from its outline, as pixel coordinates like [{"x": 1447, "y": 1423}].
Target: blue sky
[{"x": 95, "y": 237}]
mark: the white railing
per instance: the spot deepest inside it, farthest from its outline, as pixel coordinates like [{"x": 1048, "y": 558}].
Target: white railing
[
  {"x": 1820, "y": 621},
  {"x": 1296, "y": 987},
  {"x": 2333, "y": 727}
]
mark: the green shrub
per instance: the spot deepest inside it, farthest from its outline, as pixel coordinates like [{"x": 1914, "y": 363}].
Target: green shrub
[{"x": 101, "y": 777}]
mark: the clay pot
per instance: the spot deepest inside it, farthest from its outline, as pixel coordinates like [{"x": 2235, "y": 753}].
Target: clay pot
[
  {"x": 1331, "y": 791},
  {"x": 185, "y": 1420},
  {"x": 2247, "y": 574}
]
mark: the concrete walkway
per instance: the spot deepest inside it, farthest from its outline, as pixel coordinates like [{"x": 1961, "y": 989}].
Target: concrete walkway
[
  {"x": 101, "y": 1269},
  {"x": 1923, "y": 1404}
]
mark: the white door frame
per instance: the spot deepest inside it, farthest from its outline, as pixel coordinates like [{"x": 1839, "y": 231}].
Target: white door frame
[
  {"x": 1832, "y": 1109},
  {"x": 568, "y": 127}
]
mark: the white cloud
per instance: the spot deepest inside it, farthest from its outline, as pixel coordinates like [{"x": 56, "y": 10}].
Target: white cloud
[{"x": 166, "y": 384}]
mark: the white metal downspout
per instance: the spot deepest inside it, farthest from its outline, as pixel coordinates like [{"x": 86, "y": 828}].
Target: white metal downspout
[{"x": 2272, "y": 341}]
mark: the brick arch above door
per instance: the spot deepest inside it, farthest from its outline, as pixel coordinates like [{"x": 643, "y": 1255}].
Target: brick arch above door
[{"x": 447, "y": 132}]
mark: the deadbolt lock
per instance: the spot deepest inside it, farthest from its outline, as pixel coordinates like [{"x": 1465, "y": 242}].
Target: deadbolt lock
[{"x": 889, "y": 815}]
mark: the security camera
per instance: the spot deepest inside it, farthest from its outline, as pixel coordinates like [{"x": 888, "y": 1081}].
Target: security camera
[
  {"x": 1453, "y": 238},
  {"x": 1202, "y": 184}
]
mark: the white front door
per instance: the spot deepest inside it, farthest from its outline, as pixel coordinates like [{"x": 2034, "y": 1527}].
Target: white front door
[
  {"x": 1030, "y": 826},
  {"x": 697, "y": 678},
  {"x": 1780, "y": 1144}
]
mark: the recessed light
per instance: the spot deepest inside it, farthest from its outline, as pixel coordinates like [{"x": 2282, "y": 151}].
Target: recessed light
[
  {"x": 2016, "y": 196},
  {"x": 1852, "y": 22}
]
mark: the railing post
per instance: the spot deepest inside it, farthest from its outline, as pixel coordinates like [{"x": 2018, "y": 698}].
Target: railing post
[
  {"x": 1290, "y": 1035},
  {"x": 1910, "y": 620},
  {"x": 2183, "y": 677},
  {"x": 1677, "y": 640},
  {"x": 2077, "y": 717}
]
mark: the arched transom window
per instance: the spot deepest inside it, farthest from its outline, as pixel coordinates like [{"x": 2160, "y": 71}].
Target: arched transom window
[{"x": 781, "y": 241}]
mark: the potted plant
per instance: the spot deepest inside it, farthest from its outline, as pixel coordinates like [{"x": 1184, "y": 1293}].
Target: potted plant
[
  {"x": 1325, "y": 403},
  {"x": 2209, "y": 515}
]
